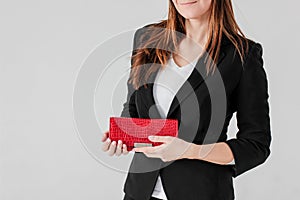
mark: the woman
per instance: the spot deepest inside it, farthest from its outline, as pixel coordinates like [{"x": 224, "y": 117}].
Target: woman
[{"x": 194, "y": 175}]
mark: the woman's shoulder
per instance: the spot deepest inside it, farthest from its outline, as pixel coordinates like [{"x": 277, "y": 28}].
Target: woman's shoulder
[
  {"x": 250, "y": 46},
  {"x": 160, "y": 24},
  {"x": 245, "y": 40},
  {"x": 151, "y": 27},
  {"x": 145, "y": 32},
  {"x": 255, "y": 48},
  {"x": 254, "y": 45}
]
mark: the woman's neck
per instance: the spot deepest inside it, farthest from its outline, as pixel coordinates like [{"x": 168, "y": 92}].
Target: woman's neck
[{"x": 197, "y": 30}]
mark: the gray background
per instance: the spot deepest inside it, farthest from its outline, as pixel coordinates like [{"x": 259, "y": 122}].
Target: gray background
[{"x": 42, "y": 46}]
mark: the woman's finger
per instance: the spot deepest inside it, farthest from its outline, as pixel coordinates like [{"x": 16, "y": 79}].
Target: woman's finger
[
  {"x": 105, "y": 136},
  {"x": 106, "y": 144},
  {"x": 124, "y": 150},
  {"x": 112, "y": 148},
  {"x": 164, "y": 139},
  {"x": 119, "y": 148}
]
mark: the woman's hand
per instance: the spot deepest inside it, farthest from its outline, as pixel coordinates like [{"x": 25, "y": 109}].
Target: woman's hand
[
  {"x": 173, "y": 148},
  {"x": 112, "y": 147}
]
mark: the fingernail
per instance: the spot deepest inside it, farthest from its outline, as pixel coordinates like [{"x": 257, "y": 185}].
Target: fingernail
[
  {"x": 119, "y": 141},
  {"x": 113, "y": 143}
]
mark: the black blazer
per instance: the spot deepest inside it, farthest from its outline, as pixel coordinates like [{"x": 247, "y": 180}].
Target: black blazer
[{"x": 246, "y": 90}]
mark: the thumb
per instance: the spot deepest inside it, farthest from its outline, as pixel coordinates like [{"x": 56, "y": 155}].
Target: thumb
[{"x": 156, "y": 138}]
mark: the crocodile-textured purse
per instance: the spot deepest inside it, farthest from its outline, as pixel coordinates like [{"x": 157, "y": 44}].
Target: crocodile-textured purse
[{"x": 134, "y": 132}]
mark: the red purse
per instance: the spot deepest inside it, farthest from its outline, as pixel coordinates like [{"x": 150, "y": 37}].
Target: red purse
[{"x": 134, "y": 132}]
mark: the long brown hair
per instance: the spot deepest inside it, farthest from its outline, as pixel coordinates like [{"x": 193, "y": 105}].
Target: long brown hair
[{"x": 221, "y": 21}]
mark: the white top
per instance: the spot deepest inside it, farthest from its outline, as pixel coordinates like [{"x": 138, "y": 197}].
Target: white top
[{"x": 167, "y": 82}]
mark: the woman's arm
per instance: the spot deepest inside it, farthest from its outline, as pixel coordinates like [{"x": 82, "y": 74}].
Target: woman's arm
[
  {"x": 175, "y": 148},
  {"x": 251, "y": 147},
  {"x": 218, "y": 153}
]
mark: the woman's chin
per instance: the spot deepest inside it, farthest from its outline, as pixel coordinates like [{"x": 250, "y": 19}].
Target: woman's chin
[{"x": 191, "y": 16}]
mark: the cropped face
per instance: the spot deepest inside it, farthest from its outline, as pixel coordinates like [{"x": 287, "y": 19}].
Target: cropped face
[{"x": 192, "y": 9}]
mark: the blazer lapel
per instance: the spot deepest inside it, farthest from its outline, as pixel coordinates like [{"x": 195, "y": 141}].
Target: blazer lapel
[{"x": 196, "y": 78}]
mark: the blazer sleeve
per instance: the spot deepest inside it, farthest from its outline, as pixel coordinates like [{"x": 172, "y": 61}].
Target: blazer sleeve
[
  {"x": 129, "y": 107},
  {"x": 251, "y": 147}
]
